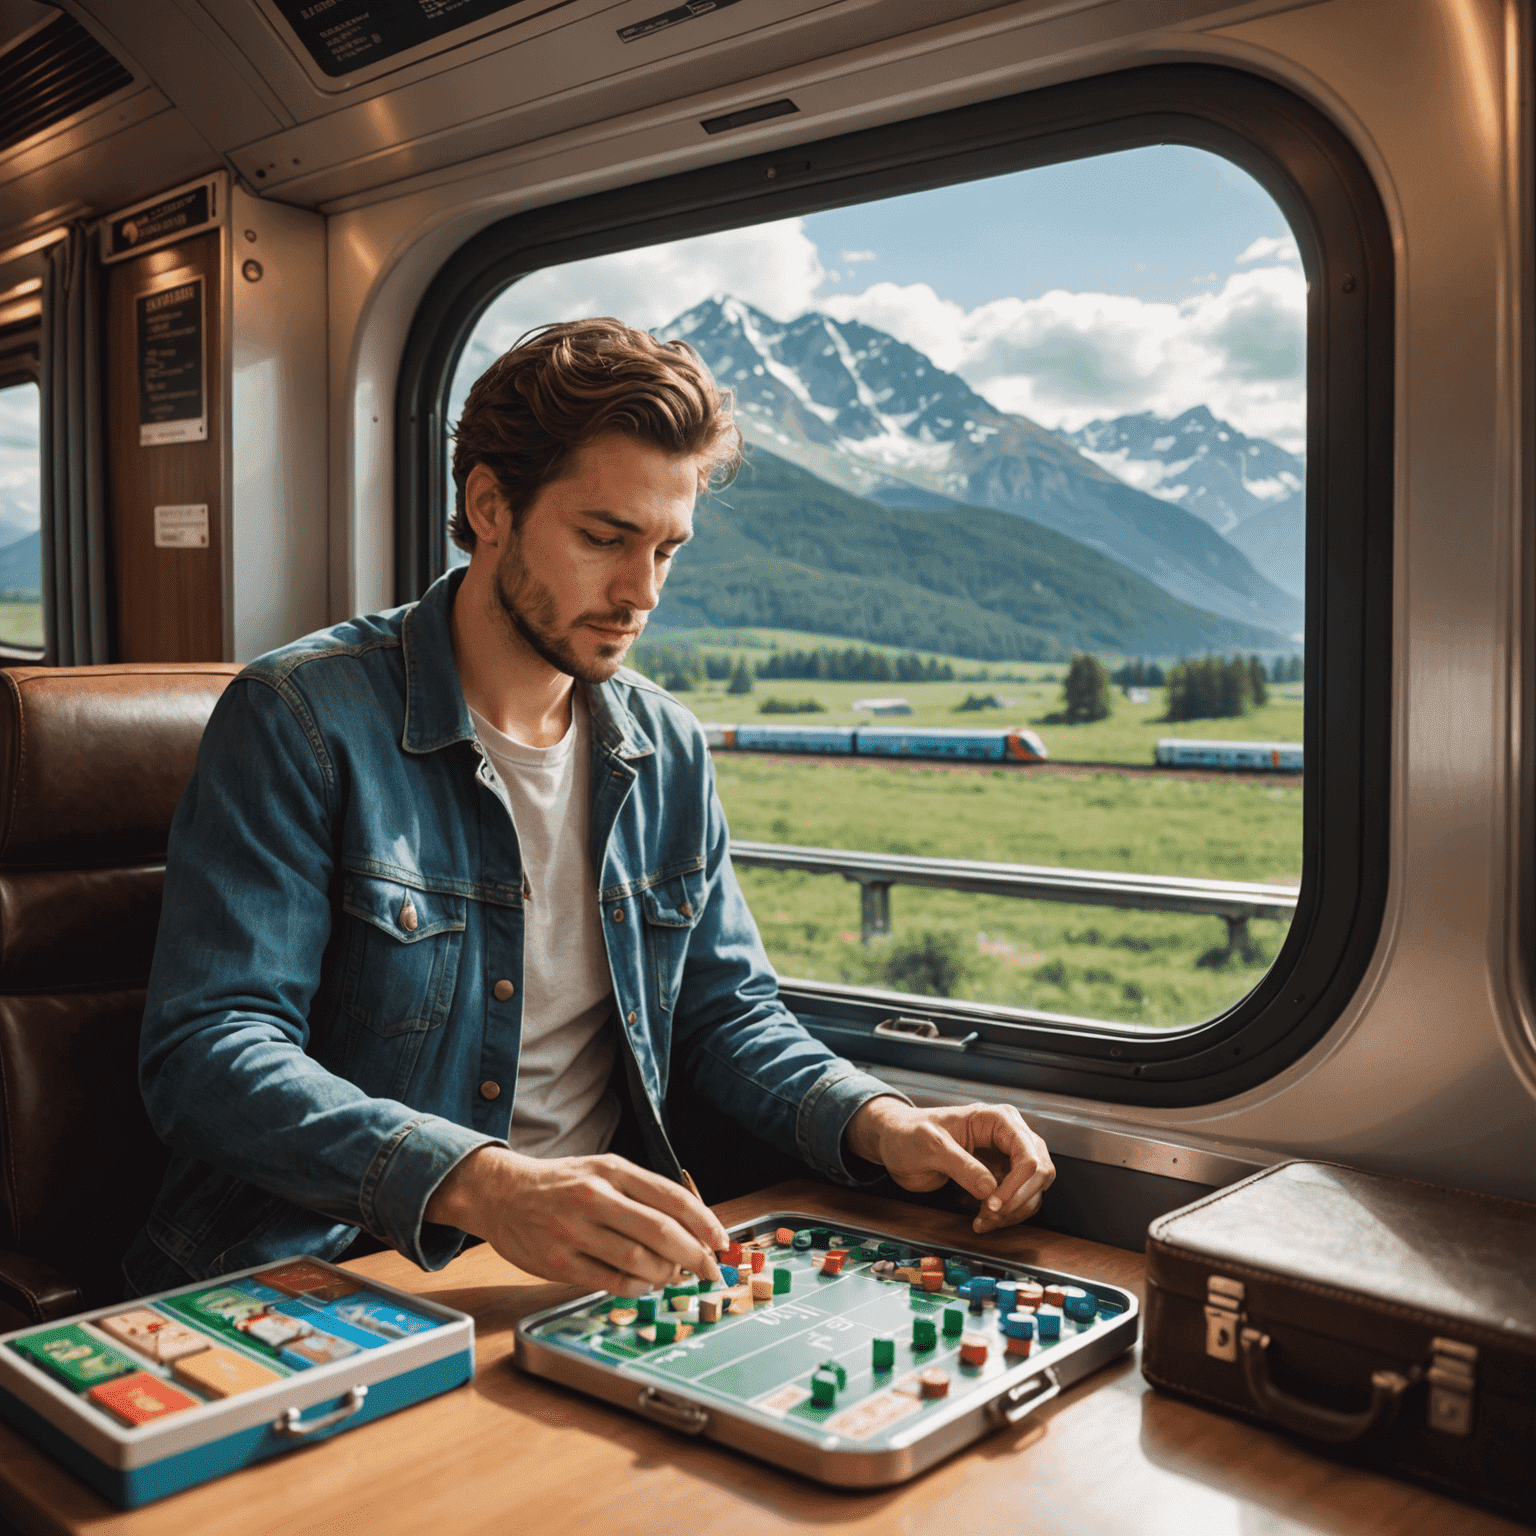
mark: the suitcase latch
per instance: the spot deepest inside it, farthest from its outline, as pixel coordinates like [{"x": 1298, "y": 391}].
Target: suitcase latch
[
  {"x": 1223, "y": 1314},
  {"x": 1452, "y": 1385}
]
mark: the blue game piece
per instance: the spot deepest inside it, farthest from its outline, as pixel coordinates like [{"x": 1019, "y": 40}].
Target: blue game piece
[
  {"x": 963, "y": 1290},
  {"x": 1049, "y": 1324},
  {"x": 1007, "y": 1296},
  {"x": 728, "y": 1275},
  {"x": 1019, "y": 1325},
  {"x": 983, "y": 1285},
  {"x": 1079, "y": 1305}
]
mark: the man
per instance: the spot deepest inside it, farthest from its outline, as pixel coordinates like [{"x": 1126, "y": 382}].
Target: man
[{"x": 449, "y": 901}]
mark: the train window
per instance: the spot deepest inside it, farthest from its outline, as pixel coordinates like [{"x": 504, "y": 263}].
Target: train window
[
  {"x": 1010, "y": 635},
  {"x": 21, "y": 608}
]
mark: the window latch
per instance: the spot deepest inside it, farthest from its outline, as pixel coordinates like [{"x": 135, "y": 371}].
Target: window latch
[{"x": 922, "y": 1032}]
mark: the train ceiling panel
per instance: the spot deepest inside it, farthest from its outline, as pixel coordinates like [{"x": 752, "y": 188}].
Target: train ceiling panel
[{"x": 262, "y": 80}]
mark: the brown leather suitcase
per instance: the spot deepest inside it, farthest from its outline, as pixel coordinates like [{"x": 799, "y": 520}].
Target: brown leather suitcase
[{"x": 1387, "y": 1322}]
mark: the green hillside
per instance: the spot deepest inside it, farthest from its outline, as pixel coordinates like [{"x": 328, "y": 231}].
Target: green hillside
[{"x": 783, "y": 549}]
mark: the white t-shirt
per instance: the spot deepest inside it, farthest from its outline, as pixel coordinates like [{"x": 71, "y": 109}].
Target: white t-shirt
[{"x": 562, "y": 1106}]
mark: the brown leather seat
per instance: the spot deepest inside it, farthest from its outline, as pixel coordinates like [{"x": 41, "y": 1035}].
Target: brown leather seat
[{"x": 92, "y": 763}]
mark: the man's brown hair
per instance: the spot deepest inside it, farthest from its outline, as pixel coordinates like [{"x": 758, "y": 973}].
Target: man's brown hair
[{"x": 562, "y": 386}]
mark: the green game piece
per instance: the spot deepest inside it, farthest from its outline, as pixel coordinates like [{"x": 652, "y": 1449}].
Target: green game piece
[
  {"x": 706, "y": 1285},
  {"x": 863, "y": 1255},
  {"x": 906, "y": 1257},
  {"x": 841, "y": 1240},
  {"x": 924, "y": 1335},
  {"x": 833, "y": 1368},
  {"x": 954, "y": 1320},
  {"x": 823, "y": 1390},
  {"x": 885, "y": 1354},
  {"x": 821, "y": 1237},
  {"x": 645, "y": 1309},
  {"x": 803, "y": 1238},
  {"x": 687, "y": 1288},
  {"x": 782, "y": 1280},
  {"x": 889, "y": 1250},
  {"x": 666, "y": 1331},
  {"x": 71, "y": 1354}
]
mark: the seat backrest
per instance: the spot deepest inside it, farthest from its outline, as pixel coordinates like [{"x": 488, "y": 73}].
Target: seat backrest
[{"x": 92, "y": 763}]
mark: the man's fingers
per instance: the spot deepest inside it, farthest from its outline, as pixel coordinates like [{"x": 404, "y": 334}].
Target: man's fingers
[
  {"x": 1002, "y": 1127},
  {"x": 941, "y": 1153},
  {"x": 685, "y": 1208},
  {"x": 628, "y": 1256}
]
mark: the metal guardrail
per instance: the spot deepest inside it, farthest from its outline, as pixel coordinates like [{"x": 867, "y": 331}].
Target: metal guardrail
[{"x": 1235, "y": 901}]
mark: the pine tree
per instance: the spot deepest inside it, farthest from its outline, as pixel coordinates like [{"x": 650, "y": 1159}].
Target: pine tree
[
  {"x": 1086, "y": 690},
  {"x": 741, "y": 678},
  {"x": 1258, "y": 682}
]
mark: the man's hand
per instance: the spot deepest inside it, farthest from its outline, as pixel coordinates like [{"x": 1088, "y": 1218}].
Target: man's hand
[
  {"x": 599, "y": 1222},
  {"x": 923, "y": 1148}
]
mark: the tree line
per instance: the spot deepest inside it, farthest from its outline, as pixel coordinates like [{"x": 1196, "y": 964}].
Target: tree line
[
  {"x": 1199, "y": 687},
  {"x": 682, "y": 668}
]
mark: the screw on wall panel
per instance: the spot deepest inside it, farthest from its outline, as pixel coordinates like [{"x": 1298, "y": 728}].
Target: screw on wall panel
[
  {"x": 251, "y": 271},
  {"x": 1348, "y": 285},
  {"x": 250, "y": 235}
]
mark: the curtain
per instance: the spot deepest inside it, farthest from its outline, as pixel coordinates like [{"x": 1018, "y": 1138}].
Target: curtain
[{"x": 74, "y": 511}]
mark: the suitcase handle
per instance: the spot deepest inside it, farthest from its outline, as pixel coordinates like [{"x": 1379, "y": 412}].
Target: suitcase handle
[
  {"x": 1312, "y": 1419},
  {"x": 291, "y": 1427}
]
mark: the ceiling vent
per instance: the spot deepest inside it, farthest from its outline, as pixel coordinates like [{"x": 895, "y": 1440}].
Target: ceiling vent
[{"x": 50, "y": 75}]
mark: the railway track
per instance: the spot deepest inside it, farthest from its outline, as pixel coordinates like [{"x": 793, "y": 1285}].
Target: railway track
[{"x": 1030, "y": 770}]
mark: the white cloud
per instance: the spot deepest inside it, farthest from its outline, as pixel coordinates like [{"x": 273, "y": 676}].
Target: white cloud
[
  {"x": 852, "y": 256},
  {"x": 1271, "y": 247},
  {"x": 772, "y": 266},
  {"x": 1065, "y": 358}
]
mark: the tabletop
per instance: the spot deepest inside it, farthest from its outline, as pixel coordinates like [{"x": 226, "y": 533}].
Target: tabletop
[{"x": 511, "y": 1452}]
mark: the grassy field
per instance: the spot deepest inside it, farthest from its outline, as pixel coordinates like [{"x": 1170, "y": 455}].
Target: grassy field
[
  {"x": 21, "y": 623},
  {"x": 1128, "y": 735},
  {"x": 1094, "y": 962}
]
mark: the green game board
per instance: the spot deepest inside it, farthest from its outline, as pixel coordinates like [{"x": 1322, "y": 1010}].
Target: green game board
[{"x": 746, "y": 1380}]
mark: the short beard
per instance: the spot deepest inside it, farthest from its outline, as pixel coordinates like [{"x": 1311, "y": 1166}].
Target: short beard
[{"x": 529, "y": 608}]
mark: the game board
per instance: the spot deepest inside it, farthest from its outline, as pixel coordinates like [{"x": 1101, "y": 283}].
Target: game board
[{"x": 834, "y": 1369}]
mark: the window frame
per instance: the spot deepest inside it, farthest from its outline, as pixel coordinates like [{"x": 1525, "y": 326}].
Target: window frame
[
  {"x": 1335, "y": 212},
  {"x": 20, "y": 363}
]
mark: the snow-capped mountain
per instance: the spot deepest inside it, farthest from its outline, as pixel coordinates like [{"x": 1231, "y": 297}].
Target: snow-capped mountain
[
  {"x": 874, "y": 416},
  {"x": 1249, "y": 490}
]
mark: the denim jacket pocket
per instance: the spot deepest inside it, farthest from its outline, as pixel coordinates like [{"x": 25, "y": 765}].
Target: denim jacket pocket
[
  {"x": 671, "y": 909},
  {"x": 403, "y": 949}
]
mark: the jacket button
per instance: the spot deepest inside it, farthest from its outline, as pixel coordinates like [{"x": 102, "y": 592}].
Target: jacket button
[
  {"x": 490, "y": 1090},
  {"x": 503, "y": 990},
  {"x": 408, "y": 918},
  {"x": 618, "y": 914},
  {"x": 631, "y": 1015}
]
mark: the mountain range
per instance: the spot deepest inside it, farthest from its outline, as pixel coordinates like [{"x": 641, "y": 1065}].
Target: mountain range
[{"x": 876, "y": 417}]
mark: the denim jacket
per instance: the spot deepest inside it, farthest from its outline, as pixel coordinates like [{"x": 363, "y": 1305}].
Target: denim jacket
[{"x": 325, "y": 1037}]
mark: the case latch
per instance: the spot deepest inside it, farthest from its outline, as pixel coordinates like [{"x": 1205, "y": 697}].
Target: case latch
[
  {"x": 1223, "y": 1313},
  {"x": 1452, "y": 1385}
]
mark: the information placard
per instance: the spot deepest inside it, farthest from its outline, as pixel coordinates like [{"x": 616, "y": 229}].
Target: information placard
[
  {"x": 346, "y": 35},
  {"x": 179, "y": 214},
  {"x": 182, "y": 527},
  {"x": 173, "y": 402}
]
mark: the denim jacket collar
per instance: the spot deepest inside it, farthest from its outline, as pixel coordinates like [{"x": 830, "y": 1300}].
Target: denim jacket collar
[{"x": 436, "y": 715}]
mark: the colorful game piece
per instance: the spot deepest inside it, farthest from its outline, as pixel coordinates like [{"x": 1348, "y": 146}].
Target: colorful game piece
[
  {"x": 932, "y": 1280},
  {"x": 140, "y": 1398},
  {"x": 784, "y": 1237},
  {"x": 924, "y": 1335},
  {"x": 645, "y": 1309},
  {"x": 934, "y": 1382},
  {"x": 1018, "y": 1346},
  {"x": 821, "y": 1237},
  {"x": 954, "y": 1321},
  {"x": 666, "y": 1330},
  {"x": 802, "y": 1239},
  {"x": 1019, "y": 1325},
  {"x": 622, "y": 1317},
  {"x": 71, "y": 1354},
  {"x": 670, "y": 1293},
  {"x": 225, "y": 1303},
  {"x": 977, "y": 1305},
  {"x": 956, "y": 1273},
  {"x": 864, "y": 1254},
  {"x": 1054, "y": 1295},
  {"x": 1048, "y": 1321},
  {"x": 888, "y": 1250},
  {"x": 841, "y": 1241},
  {"x": 1078, "y": 1304},
  {"x": 931, "y": 1261},
  {"x": 153, "y": 1335},
  {"x": 709, "y": 1309},
  {"x": 832, "y": 1264},
  {"x": 646, "y": 1333},
  {"x": 973, "y": 1350},
  {"x": 316, "y": 1349},
  {"x": 729, "y": 1275},
  {"x": 732, "y": 1255},
  {"x": 741, "y": 1304},
  {"x": 883, "y": 1269},
  {"x": 1007, "y": 1294},
  {"x": 272, "y": 1329},
  {"x": 907, "y": 1274},
  {"x": 905, "y": 1256},
  {"x": 758, "y": 1260},
  {"x": 782, "y": 1280},
  {"x": 823, "y": 1390},
  {"x": 305, "y": 1278},
  {"x": 983, "y": 1286},
  {"x": 682, "y": 1303},
  {"x": 762, "y": 1288},
  {"x": 219, "y": 1372},
  {"x": 837, "y": 1370},
  {"x": 884, "y": 1353},
  {"x": 1032, "y": 1296}
]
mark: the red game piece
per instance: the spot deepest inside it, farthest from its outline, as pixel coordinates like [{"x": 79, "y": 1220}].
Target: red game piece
[
  {"x": 1055, "y": 1296},
  {"x": 973, "y": 1350},
  {"x": 758, "y": 1260},
  {"x": 833, "y": 1264},
  {"x": 931, "y": 1261},
  {"x": 732, "y": 1256},
  {"x": 1018, "y": 1346},
  {"x": 140, "y": 1398},
  {"x": 933, "y": 1279},
  {"x": 934, "y": 1382},
  {"x": 784, "y": 1237}
]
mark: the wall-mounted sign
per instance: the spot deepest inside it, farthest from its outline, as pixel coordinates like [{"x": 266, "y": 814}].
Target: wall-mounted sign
[
  {"x": 173, "y": 400},
  {"x": 345, "y": 35},
  {"x": 172, "y": 216},
  {"x": 688, "y": 11},
  {"x": 181, "y": 527}
]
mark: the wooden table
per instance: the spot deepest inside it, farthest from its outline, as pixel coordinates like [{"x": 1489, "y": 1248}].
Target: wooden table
[{"x": 511, "y": 1454}]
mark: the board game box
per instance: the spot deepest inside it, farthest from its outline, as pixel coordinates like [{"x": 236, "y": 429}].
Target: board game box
[
  {"x": 849, "y": 1355},
  {"x": 148, "y": 1397}
]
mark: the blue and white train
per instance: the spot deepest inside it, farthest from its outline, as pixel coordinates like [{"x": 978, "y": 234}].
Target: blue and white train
[
  {"x": 1270, "y": 756},
  {"x": 1003, "y": 744}
]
